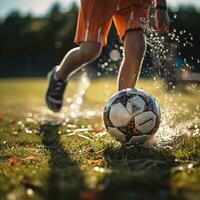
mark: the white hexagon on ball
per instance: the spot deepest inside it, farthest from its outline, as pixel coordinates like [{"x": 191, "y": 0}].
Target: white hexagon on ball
[
  {"x": 119, "y": 115},
  {"x": 111, "y": 100},
  {"x": 135, "y": 105},
  {"x": 145, "y": 122},
  {"x": 117, "y": 134}
]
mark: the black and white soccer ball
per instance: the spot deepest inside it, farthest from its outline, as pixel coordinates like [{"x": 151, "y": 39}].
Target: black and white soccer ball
[{"x": 130, "y": 113}]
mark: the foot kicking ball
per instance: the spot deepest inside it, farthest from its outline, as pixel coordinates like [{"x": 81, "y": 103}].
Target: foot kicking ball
[{"x": 131, "y": 113}]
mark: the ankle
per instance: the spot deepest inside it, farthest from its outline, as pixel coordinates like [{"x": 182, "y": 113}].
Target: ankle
[{"x": 58, "y": 75}]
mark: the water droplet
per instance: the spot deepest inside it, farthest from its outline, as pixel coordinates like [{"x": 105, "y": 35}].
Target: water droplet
[
  {"x": 29, "y": 192},
  {"x": 190, "y": 166},
  {"x": 115, "y": 55}
]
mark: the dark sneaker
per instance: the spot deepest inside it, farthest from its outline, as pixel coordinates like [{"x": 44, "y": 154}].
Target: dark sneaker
[{"x": 55, "y": 92}]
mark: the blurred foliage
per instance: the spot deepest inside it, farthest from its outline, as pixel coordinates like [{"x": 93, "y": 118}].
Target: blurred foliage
[{"x": 30, "y": 46}]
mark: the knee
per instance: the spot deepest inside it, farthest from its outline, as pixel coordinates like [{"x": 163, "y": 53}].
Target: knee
[{"x": 90, "y": 51}]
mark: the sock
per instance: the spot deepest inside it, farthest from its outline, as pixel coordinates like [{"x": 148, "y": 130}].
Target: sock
[{"x": 56, "y": 79}]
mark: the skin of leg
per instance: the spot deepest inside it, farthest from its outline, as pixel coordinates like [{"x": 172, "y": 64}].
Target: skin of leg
[
  {"x": 76, "y": 58},
  {"x": 134, "y": 50}
]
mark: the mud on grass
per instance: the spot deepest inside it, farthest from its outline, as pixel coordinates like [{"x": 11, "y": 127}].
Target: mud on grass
[{"x": 46, "y": 156}]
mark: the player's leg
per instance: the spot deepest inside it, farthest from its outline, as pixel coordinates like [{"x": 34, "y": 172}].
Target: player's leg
[
  {"x": 77, "y": 57},
  {"x": 134, "y": 50},
  {"x": 94, "y": 21},
  {"x": 130, "y": 22},
  {"x": 91, "y": 35},
  {"x": 74, "y": 59}
]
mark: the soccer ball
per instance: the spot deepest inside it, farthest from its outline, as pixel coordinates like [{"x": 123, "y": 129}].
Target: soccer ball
[{"x": 131, "y": 112}]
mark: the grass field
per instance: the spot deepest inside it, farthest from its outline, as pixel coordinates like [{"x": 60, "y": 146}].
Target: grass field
[{"x": 70, "y": 156}]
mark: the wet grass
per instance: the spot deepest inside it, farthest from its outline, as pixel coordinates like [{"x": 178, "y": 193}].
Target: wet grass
[{"x": 76, "y": 159}]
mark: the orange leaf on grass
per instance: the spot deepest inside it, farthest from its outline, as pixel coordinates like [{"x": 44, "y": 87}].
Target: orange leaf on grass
[
  {"x": 31, "y": 158},
  {"x": 1, "y": 117},
  {"x": 98, "y": 129},
  {"x": 89, "y": 150},
  {"x": 89, "y": 195},
  {"x": 13, "y": 160},
  {"x": 11, "y": 122},
  {"x": 99, "y": 161}
]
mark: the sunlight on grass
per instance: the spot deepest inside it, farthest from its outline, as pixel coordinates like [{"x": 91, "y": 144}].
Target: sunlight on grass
[{"x": 76, "y": 155}]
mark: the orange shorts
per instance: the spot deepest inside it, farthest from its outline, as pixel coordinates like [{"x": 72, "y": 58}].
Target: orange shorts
[{"x": 96, "y": 16}]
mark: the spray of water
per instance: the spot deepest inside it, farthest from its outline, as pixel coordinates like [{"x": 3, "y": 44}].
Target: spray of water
[
  {"x": 169, "y": 128},
  {"x": 73, "y": 109}
]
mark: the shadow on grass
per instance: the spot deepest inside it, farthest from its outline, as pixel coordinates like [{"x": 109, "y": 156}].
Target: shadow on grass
[
  {"x": 65, "y": 180},
  {"x": 138, "y": 173}
]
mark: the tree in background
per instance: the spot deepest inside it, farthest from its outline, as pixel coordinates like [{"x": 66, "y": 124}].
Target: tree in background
[{"x": 30, "y": 46}]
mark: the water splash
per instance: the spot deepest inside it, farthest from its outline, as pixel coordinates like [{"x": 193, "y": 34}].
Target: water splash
[
  {"x": 73, "y": 109},
  {"x": 174, "y": 118},
  {"x": 162, "y": 49},
  {"x": 170, "y": 129}
]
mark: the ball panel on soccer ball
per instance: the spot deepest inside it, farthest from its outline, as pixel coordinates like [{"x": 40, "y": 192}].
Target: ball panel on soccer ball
[
  {"x": 115, "y": 133},
  {"x": 135, "y": 105},
  {"x": 140, "y": 139},
  {"x": 123, "y": 98},
  {"x": 119, "y": 115},
  {"x": 111, "y": 100},
  {"x": 130, "y": 128},
  {"x": 145, "y": 122},
  {"x": 137, "y": 92},
  {"x": 155, "y": 107},
  {"x": 106, "y": 118}
]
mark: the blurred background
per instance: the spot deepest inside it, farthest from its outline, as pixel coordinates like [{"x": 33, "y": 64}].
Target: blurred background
[{"x": 35, "y": 35}]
